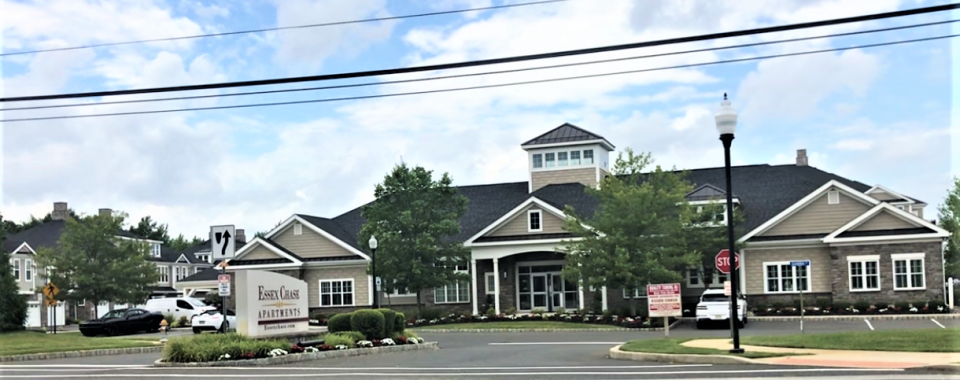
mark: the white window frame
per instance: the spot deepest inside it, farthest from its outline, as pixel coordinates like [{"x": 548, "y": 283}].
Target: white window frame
[
  {"x": 641, "y": 292},
  {"x": 863, "y": 260},
  {"x": 298, "y": 229},
  {"x": 907, "y": 258},
  {"x": 550, "y": 160},
  {"x": 27, "y": 270},
  {"x": 489, "y": 282},
  {"x": 15, "y": 265},
  {"x": 539, "y": 220},
  {"x": 534, "y": 158},
  {"x": 575, "y": 161},
  {"x": 565, "y": 161},
  {"x": 592, "y": 157},
  {"x": 155, "y": 249},
  {"x": 164, "y": 274},
  {"x": 793, "y": 273},
  {"x": 82, "y": 302},
  {"x": 715, "y": 279},
  {"x": 689, "y": 276},
  {"x": 352, "y": 292},
  {"x": 833, "y": 196},
  {"x": 457, "y": 285}
]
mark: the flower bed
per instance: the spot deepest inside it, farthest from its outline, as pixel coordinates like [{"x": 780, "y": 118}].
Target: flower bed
[
  {"x": 637, "y": 322},
  {"x": 824, "y": 307}
]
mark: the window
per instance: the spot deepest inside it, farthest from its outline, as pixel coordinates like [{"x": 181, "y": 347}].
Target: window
[
  {"x": 28, "y": 270},
  {"x": 575, "y": 158},
  {"x": 562, "y": 158},
  {"x": 16, "y": 268},
  {"x": 908, "y": 271},
  {"x": 551, "y": 162},
  {"x": 298, "y": 229},
  {"x": 204, "y": 257},
  {"x": 196, "y": 270},
  {"x": 155, "y": 250},
  {"x": 783, "y": 278},
  {"x": 534, "y": 224},
  {"x": 833, "y": 197},
  {"x": 491, "y": 282},
  {"x": 693, "y": 278},
  {"x": 183, "y": 304},
  {"x": 538, "y": 160},
  {"x": 458, "y": 292},
  {"x": 336, "y": 293},
  {"x": 864, "y": 272},
  {"x": 588, "y": 157},
  {"x": 641, "y": 292},
  {"x": 82, "y": 302},
  {"x": 719, "y": 278},
  {"x": 164, "y": 278}
]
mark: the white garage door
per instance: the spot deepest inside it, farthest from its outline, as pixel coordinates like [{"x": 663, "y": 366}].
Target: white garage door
[
  {"x": 59, "y": 315},
  {"x": 33, "y": 315}
]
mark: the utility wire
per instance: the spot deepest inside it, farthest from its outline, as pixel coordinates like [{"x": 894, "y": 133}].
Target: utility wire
[
  {"x": 483, "y": 73},
  {"x": 485, "y": 86},
  {"x": 567, "y": 53},
  {"x": 287, "y": 27}
]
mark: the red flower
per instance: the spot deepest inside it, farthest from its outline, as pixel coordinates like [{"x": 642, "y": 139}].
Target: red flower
[
  {"x": 295, "y": 349},
  {"x": 325, "y": 347}
]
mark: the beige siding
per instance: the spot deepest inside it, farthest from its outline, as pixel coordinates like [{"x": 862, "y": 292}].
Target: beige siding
[
  {"x": 309, "y": 244},
  {"x": 361, "y": 285},
  {"x": 882, "y": 196},
  {"x": 260, "y": 253},
  {"x": 883, "y": 221},
  {"x": 518, "y": 225},
  {"x": 819, "y": 270},
  {"x": 25, "y": 286},
  {"x": 586, "y": 176},
  {"x": 820, "y": 217}
]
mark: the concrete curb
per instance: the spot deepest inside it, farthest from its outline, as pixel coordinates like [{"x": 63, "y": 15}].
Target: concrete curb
[
  {"x": 432, "y": 330},
  {"x": 615, "y": 353},
  {"x": 950, "y": 368},
  {"x": 307, "y": 356},
  {"x": 796, "y": 318},
  {"x": 81, "y": 354}
]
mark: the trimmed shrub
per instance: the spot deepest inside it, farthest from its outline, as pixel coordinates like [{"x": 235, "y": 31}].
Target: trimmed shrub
[
  {"x": 399, "y": 323},
  {"x": 902, "y": 305},
  {"x": 169, "y": 319},
  {"x": 511, "y": 311},
  {"x": 184, "y": 321},
  {"x": 822, "y": 302},
  {"x": 340, "y": 322},
  {"x": 760, "y": 307},
  {"x": 537, "y": 311},
  {"x": 369, "y": 322},
  {"x": 209, "y": 347},
  {"x": 861, "y": 305},
  {"x": 430, "y": 313},
  {"x": 796, "y": 303},
  {"x": 491, "y": 312},
  {"x": 389, "y": 319},
  {"x": 934, "y": 305},
  {"x": 778, "y": 305}
]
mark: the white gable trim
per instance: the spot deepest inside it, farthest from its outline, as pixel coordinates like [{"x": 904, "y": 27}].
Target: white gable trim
[
  {"x": 286, "y": 224},
  {"x": 882, "y": 189},
  {"x": 24, "y": 244},
  {"x": 264, "y": 266},
  {"x": 515, "y": 213},
  {"x": 796, "y": 207},
  {"x": 905, "y": 216},
  {"x": 184, "y": 257},
  {"x": 249, "y": 247}
]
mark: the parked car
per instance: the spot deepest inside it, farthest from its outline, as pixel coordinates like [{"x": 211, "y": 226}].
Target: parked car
[
  {"x": 715, "y": 306},
  {"x": 212, "y": 320},
  {"x": 122, "y": 321},
  {"x": 178, "y": 307}
]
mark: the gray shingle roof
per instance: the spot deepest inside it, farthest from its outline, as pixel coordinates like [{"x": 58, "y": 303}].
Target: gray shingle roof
[
  {"x": 564, "y": 133},
  {"x": 208, "y": 274}
]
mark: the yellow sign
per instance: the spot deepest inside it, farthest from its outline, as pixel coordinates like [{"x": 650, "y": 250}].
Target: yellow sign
[
  {"x": 223, "y": 264},
  {"x": 50, "y": 302},
  {"x": 50, "y": 290}
]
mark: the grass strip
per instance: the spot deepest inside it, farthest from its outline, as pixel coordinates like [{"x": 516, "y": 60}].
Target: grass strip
[
  {"x": 673, "y": 346},
  {"x": 30, "y": 342},
  {"x": 932, "y": 340},
  {"x": 518, "y": 325}
]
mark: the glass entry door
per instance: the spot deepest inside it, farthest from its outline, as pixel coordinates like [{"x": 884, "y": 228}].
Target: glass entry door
[
  {"x": 539, "y": 290},
  {"x": 542, "y": 287}
]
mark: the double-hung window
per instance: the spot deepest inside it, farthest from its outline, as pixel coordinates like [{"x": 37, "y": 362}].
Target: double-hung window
[
  {"x": 457, "y": 292},
  {"x": 490, "y": 282},
  {"x": 164, "y": 275},
  {"x": 336, "y": 292},
  {"x": 15, "y": 264},
  {"x": 693, "y": 278},
  {"x": 562, "y": 158},
  {"x": 588, "y": 157},
  {"x": 864, "y": 272},
  {"x": 908, "y": 271},
  {"x": 537, "y": 160},
  {"x": 550, "y": 159},
  {"x": 780, "y": 277},
  {"x": 535, "y": 221},
  {"x": 575, "y": 158},
  {"x": 28, "y": 270}
]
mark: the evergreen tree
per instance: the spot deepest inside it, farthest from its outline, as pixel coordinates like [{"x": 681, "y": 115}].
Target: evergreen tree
[
  {"x": 950, "y": 221},
  {"x": 13, "y": 312}
]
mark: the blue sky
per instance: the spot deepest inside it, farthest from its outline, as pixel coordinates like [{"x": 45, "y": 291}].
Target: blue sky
[{"x": 879, "y": 115}]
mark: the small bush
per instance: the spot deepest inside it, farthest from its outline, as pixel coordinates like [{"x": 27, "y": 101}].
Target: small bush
[
  {"x": 399, "y": 323},
  {"x": 511, "y": 311},
  {"x": 902, "y": 305},
  {"x": 169, "y": 319},
  {"x": 491, "y": 312},
  {"x": 209, "y": 347},
  {"x": 184, "y": 321},
  {"x": 318, "y": 316},
  {"x": 796, "y": 304},
  {"x": 430, "y": 313},
  {"x": 778, "y": 305},
  {"x": 561, "y": 311},
  {"x": 389, "y": 319},
  {"x": 339, "y": 322},
  {"x": 861, "y": 305},
  {"x": 338, "y": 339},
  {"x": 822, "y": 302},
  {"x": 934, "y": 305},
  {"x": 841, "y": 305},
  {"x": 537, "y": 311},
  {"x": 369, "y": 322},
  {"x": 760, "y": 307}
]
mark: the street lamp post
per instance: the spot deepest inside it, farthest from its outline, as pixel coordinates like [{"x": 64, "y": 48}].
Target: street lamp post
[
  {"x": 726, "y": 120},
  {"x": 373, "y": 259}
]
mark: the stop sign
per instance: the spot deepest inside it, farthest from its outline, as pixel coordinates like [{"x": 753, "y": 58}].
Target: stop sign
[{"x": 723, "y": 261}]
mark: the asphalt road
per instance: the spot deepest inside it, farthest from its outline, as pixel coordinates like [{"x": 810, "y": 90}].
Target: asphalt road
[{"x": 567, "y": 355}]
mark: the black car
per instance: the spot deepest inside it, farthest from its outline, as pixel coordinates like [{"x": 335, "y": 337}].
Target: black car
[{"x": 122, "y": 321}]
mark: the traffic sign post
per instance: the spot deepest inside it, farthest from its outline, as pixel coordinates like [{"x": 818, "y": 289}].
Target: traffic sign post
[
  {"x": 663, "y": 300},
  {"x": 722, "y": 261},
  {"x": 50, "y": 291},
  {"x": 222, "y": 241},
  {"x": 223, "y": 282},
  {"x": 801, "y": 263}
]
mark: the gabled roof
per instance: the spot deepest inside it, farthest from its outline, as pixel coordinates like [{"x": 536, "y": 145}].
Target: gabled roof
[
  {"x": 922, "y": 228},
  {"x": 899, "y": 196},
  {"x": 47, "y": 234},
  {"x": 567, "y": 133},
  {"x": 268, "y": 244},
  {"x": 707, "y": 192},
  {"x": 208, "y": 274}
]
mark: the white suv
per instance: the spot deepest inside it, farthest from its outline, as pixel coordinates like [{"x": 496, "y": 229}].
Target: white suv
[{"x": 715, "y": 306}]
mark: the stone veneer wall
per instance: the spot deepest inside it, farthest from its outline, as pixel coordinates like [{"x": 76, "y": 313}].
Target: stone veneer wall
[{"x": 933, "y": 268}]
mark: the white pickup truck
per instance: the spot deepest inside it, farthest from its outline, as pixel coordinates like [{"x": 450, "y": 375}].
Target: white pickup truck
[{"x": 715, "y": 306}]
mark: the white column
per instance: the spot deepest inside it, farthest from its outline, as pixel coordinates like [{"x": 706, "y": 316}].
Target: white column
[
  {"x": 582, "y": 303},
  {"x": 496, "y": 286},
  {"x": 603, "y": 291},
  {"x": 950, "y": 293},
  {"x": 473, "y": 275},
  {"x": 369, "y": 290}
]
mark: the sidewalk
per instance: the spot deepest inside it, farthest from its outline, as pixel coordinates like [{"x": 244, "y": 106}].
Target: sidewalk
[{"x": 840, "y": 358}]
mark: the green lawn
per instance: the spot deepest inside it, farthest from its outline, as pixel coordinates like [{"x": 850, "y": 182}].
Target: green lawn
[
  {"x": 519, "y": 325},
  {"x": 672, "y": 346},
  {"x": 933, "y": 340},
  {"x": 28, "y": 342}
]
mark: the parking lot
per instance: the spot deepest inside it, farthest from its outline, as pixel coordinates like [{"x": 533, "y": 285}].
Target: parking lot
[{"x": 792, "y": 327}]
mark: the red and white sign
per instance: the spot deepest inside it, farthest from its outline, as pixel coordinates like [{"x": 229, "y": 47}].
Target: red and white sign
[
  {"x": 663, "y": 300},
  {"x": 723, "y": 261}
]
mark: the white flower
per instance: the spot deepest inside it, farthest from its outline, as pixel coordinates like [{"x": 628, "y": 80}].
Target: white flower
[
  {"x": 364, "y": 343},
  {"x": 341, "y": 347},
  {"x": 939, "y": 308},
  {"x": 276, "y": 352},
  {"x": 631, "y": 319},
  {"x": 884, "y": 310},
  {"x": 568, "y": 317},
  {"x": 224, "y": 356},
  {"x": 421, "y": 340},
  {"x": 387, "y": 342},
  {"x": 483, "y": 317},
  {"x": 914, "y": 309},
  {"x": 311, "y": 349},
  {"x": 688, "y": 310},
  {"x": 856, "y": 311}
]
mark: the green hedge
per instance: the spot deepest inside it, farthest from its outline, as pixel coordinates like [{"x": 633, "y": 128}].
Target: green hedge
[
  {"x": 389, "y": 319},
  {"x": 399, "y": 323},
  {"x": 340, "y": 322},
  {"x": 209, "y": 347},
  {"x": 369, "y": 322}
]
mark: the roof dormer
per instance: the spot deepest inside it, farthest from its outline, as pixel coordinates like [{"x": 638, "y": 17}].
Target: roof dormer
[{"x": 567, "y": 154}]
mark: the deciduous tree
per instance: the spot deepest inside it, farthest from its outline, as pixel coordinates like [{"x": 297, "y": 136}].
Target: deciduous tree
[{"x": 950, "y": 221}]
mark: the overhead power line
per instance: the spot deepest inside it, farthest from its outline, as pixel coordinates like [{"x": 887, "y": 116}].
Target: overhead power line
[
  {"x": 567, "y": 53},
  {"x": 484, "y": 86},
  {"x": 483, "y": 73},
  {"x": 286, "y": 27}
]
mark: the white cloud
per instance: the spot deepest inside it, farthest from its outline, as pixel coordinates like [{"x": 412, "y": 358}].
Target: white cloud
[{"x": 853, "y": 144}]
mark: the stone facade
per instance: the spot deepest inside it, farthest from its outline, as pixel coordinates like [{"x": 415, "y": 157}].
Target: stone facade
[{"x": 932, "y": 263}]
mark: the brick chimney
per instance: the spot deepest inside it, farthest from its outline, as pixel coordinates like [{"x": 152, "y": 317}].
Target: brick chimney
[
  {"x": 106, "y": 212},
  {"x": 241, "y": 236},
  {"x": 801, "y": 157},
  {"x": 59, "y": 211}
]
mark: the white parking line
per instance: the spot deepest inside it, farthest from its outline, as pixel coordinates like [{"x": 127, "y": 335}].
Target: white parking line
[
  {"x": 938, "y": 323},
  {"x": 553, "y": 343},
  {"x": 868, "y": 324}
]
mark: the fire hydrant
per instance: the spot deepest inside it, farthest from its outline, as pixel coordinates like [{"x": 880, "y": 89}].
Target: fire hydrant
[{"x": 164, "y": 328}]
